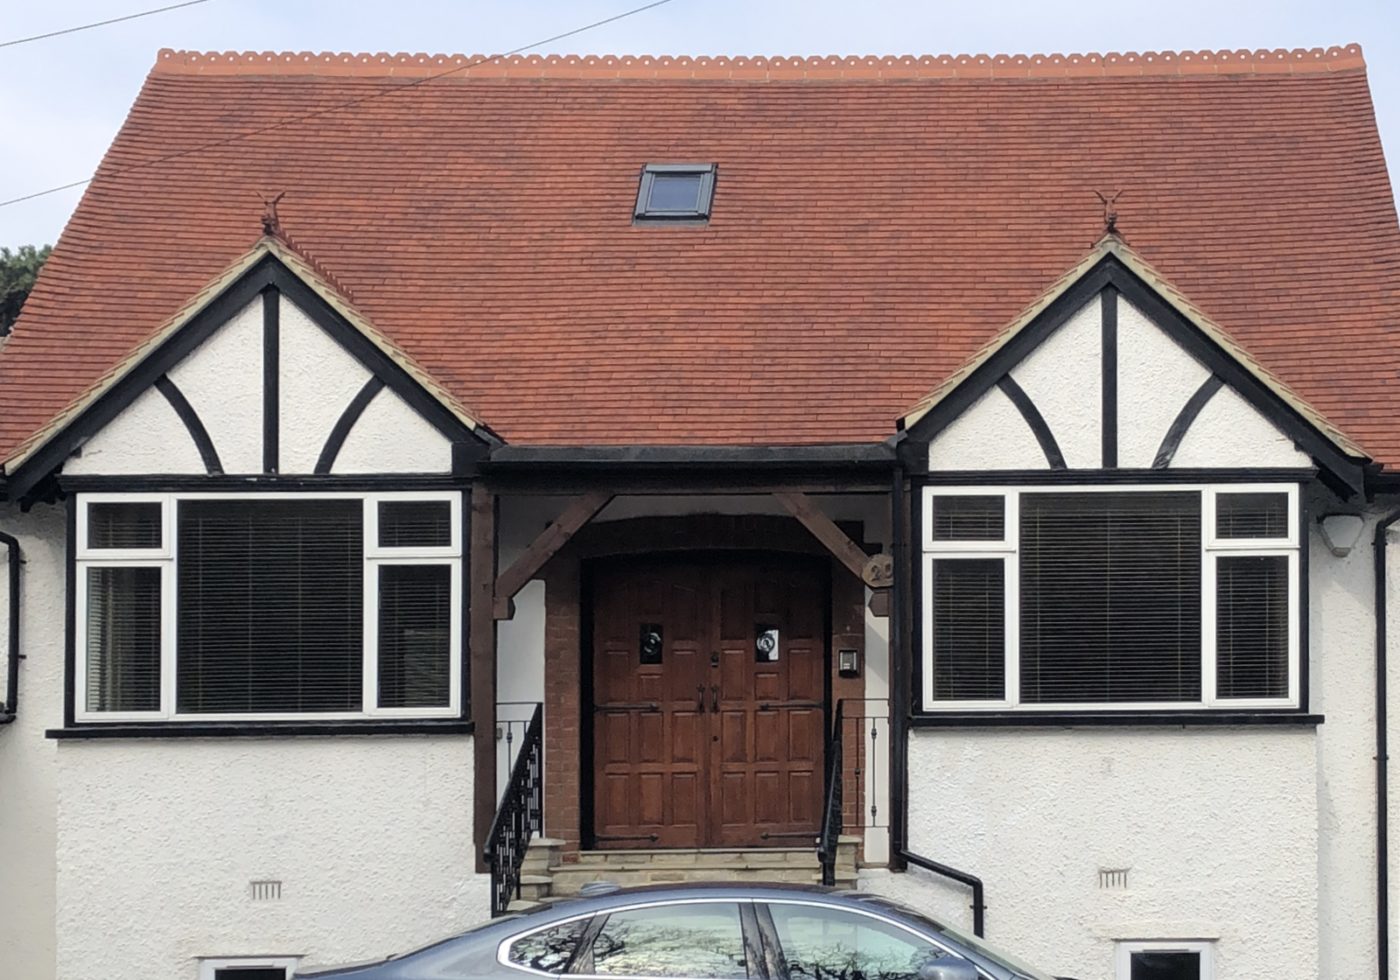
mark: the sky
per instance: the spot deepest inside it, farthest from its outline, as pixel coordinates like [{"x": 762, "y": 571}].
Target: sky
[{"x": 62, "y": 99}]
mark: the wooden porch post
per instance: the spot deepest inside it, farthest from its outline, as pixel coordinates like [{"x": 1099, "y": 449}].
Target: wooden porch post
[{"x": 482, "y": 644}]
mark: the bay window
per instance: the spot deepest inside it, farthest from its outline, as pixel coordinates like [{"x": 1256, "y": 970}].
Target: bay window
[
  {"x": 268, "y": 606},
  {"x": 1093, "y": 597}
]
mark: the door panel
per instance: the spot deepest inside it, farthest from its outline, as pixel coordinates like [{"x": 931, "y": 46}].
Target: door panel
[{"x": 709, "y": 686}]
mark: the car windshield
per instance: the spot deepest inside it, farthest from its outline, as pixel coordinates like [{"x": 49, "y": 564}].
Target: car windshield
[{"x": 971, "y": 942}]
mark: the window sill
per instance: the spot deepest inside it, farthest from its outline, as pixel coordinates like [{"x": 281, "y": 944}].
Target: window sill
[
  {"x": 1120, "y": 719},
  {"x": 263, "y": 729}
]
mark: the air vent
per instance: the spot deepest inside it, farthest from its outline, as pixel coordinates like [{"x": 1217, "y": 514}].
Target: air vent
[
  {"x": 265, "y": 890},
  {"x": 1113, "y": 879}
]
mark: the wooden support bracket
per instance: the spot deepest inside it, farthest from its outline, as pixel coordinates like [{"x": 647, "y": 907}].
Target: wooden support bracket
[
  {"x": 876, "y": 571},
  {"x": 544, "y": 547}
]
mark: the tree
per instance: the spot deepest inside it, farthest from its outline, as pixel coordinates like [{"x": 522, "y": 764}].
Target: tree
[{"x": 18, "y": 270}]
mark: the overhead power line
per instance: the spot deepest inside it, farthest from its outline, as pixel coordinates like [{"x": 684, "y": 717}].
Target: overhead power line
[
  {"x": 348, "y": 104},
  {"x": 100, "y": 23}
]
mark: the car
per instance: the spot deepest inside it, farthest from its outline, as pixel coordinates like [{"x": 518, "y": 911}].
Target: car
[{"x": 712, "y": 931}]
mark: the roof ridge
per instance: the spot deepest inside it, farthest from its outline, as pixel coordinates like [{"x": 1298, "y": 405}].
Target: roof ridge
[{"x": 741, "y": 68}]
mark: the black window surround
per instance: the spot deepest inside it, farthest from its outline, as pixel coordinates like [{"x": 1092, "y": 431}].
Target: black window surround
[
  {"x": 392, "y": 661},
  {"x": 1264, "y": 640},
  {"x": 675, "y": 192}
]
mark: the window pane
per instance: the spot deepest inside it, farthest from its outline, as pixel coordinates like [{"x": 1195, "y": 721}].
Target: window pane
[
  {"x": 415, "y": 635},
  {"x": 270, "y": 606},
  {"x": 969, "y": 629},
  {"x": 827, "y": 943},
  {"x": 415, "y": 524},
  {"x": 1251, "y": 631},
  {"x": 123, "y": 639},
  {"x": 672, "y": 941},
  {"x": 550, "y": 949},
  {"x": 969, "y": 518},
  {"x": 1163, "y": 965},
  {"x": 123, "y": 525},
  {"x": 1251, "y": 515},
  {"x": 675, "y": 192},
  {"x": 1110, "y": 597}
]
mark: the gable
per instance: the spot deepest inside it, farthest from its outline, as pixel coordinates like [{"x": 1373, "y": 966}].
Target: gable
[
  {"x": 1106, "y": 372},
  {"x": 270, "y": 376}
]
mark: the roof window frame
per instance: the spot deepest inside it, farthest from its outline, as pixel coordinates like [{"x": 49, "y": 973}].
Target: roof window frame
[{"x": 643, "y": 213}]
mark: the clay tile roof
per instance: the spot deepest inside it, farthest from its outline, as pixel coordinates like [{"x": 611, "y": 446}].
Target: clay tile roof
[{"x": 876, "y": 221}]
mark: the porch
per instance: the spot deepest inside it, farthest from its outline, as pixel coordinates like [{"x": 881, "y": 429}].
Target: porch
[{"x": 688, "y": 677}]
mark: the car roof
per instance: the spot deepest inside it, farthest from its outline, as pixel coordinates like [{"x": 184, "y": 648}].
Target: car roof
[{"x": 691, "y": 891}]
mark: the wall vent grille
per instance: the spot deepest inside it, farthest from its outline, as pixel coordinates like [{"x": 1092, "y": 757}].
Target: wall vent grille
[
  {"x": 265, "y": 890},
  {"x": 1113, "y": 879}
]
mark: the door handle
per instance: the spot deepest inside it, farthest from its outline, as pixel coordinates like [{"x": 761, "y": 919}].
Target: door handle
[
  {"x": 700, "y": 699},
  {"x": 714, "y": 698}
]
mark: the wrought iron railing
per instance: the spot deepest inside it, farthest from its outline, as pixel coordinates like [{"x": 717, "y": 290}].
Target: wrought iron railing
[
  {"x": 833, "y": 817},
  {"x": 518, "y": 817}
]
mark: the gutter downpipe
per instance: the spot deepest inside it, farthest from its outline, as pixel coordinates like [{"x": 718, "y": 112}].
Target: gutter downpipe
[
  {"x": 901, "y": 702},
  {"x": 1382, "y": 756},
  {"x": 10, "y": 707}
]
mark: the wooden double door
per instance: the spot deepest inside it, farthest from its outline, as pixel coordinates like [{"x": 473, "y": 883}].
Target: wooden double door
[{"x": 709, "y": 684}]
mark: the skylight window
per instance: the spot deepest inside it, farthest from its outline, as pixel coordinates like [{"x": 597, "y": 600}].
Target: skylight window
[{"x": 675, "y": 192}]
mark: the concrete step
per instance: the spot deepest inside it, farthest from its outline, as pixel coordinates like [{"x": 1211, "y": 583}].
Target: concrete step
[
  {"x": 567, "y": 880},
  {"x": 736, "y": 858}
]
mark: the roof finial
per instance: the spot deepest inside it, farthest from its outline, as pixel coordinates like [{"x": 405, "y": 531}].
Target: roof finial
[
  {"x": 1110, "y": 212},
  {"x": 272, "y": 225}
]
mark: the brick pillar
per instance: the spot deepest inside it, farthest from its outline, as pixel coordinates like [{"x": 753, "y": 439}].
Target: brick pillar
[{"x": 563, "y": 696}]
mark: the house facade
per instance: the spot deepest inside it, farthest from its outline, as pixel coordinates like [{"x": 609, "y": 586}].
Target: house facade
[{"x": 976, "y": 468}]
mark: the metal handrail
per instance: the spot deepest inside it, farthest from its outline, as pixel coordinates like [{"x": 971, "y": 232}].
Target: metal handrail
[
  {"x": 832, "y": 816},
  {"x": 519, "y": 816}
]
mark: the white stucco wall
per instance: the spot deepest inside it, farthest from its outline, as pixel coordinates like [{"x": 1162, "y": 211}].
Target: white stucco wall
[
  {"x": 222, "y": 381},
  {"x": 158, "y": 841},
  {"x": 1229, "y": 428},
  {"x": 28, "y": 783},
  {"x": 1063, "y": 376},
  {"x": 145, "y": 437},
  {"x": 317, "y": 378},
  {"x": 990, "y": 435},
  {"x": 390, "y": 437},
  {"x": 1217, "y": 826},
  {"x": 1155, "y": 379}
]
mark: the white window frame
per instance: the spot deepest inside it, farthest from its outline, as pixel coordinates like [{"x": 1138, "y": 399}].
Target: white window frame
[
  {"x": 209, "y": 966},
  {"x": 1212, "y": 548},
  {"x": 165, "y": 558},
  {"x": 1123, "y": 954}
]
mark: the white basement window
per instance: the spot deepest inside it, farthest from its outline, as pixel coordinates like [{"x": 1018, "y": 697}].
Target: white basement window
[
  {"x": 248, "y": 968},
  {"x": 269, "y": 606},
  {"x": 1086, "y": 598},
  {"x": 1165, "y": 960}
]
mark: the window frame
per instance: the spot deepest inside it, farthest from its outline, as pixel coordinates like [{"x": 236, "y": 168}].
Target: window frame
[
  {"x": 1212, "y": 549},
  {"x": 166, "y": 558},
  {"x": 704, "y": 197},
  {"x": 210, "y": 966},
  {"x": 1124, "y": 950}
]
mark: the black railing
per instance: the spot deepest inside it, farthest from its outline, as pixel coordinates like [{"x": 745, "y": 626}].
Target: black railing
[
  {"x": 519, "y": 816},
  {"x": 833, "y": 819}
]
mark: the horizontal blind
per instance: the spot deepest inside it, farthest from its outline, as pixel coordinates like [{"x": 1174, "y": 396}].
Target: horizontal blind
[
  {"x": 959, "y": 517},
  {"x": 270, "y": 606},
  {"x": 1110, "y": 597},
  {"x": 415, "y": 523},
  {"x": 415, "y": 634},
  {"x": 122, "y": 658},
  {"x": 121, "y": 524},
  {"x": 969, "y": 629},
  {"x": 1251, "y": 626}
]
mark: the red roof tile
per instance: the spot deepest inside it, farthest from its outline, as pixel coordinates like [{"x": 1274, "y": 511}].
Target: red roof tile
[{"x": 875, "y": 221}]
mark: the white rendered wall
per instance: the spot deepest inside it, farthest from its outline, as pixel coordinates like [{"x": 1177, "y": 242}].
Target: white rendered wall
[
  {"x": 317, "y": 378},
  {"x": 1155, "y": 379},
  {"x": 1217, "y": 826},
  {"x": 222, "y": 380},
  {"x": 990, "y": 435},
  {"x": 145, "y": 437},
  {"x": 1063, "y": 376},
  {"x": 1229, "y": 428},
  {"x": 371, "y": 838},
  {"x": 28, "y": 782}
]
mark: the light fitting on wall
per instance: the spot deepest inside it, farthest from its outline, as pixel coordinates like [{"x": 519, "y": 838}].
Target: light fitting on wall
[{"x": 1341, "y": 532}]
